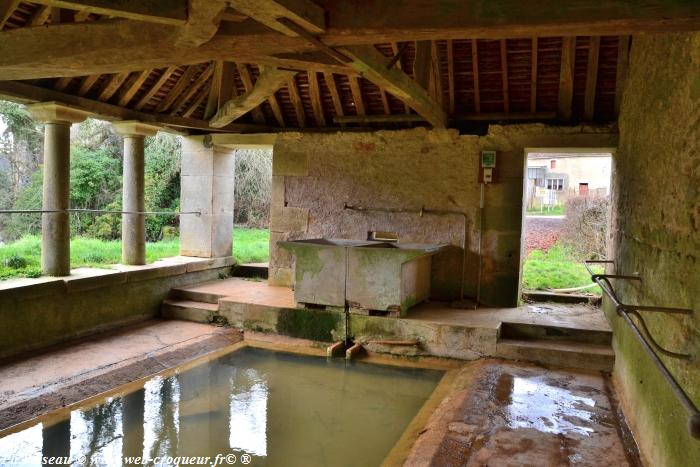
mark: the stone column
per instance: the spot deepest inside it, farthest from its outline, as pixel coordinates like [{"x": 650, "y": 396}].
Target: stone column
[
  {"x": 55, "y": 226},
  {"x": 207, "y": 178},
  {"x": 133, "y": 225}
]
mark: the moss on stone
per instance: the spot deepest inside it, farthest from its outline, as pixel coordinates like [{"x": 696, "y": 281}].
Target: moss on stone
[{"x": 316, "y": 325}]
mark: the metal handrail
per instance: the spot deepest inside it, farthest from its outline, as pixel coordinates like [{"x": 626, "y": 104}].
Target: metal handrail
[
  {"x": 96, "y": 211},
  {"x": 647, "y": 340}
]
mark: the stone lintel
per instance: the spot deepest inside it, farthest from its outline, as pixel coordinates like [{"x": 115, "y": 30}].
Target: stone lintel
[
  {"x": 54, "y": 112},
  {"x": 127, "y": 128},
  {"x": 244, "y": 141}
]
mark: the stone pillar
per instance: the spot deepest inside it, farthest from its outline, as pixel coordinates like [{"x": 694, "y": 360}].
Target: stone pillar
[
  {"x": 55, "y": 226},
  {"x": 207, "y": 178},
  {"x": 133, "y": 225}
]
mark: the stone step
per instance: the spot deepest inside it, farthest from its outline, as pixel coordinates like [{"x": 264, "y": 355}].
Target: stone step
[
  {"x": 548, "y": 332},
  {"x": 194, "y": 295},
  {"x": 567, "y": 354},
  {"x": 189, "y": 310}
]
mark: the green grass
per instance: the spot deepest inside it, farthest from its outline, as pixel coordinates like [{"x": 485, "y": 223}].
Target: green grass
[
  {"x": 22, "y": 258},
  {"x": 558, "y": 210},
  {"x": 555, "y": 269}
]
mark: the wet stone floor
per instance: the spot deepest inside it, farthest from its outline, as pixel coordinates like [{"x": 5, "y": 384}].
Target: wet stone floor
[{"x": 519, "y": 415}]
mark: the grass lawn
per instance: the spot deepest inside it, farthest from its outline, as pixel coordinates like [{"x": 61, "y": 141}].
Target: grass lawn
[
  {"x": 555, "y": 269},
  {"x": 558, "y": 210},
  {"x": 22, "y": 258}
]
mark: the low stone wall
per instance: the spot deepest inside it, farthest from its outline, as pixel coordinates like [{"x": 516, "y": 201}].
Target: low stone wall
[{"x": 36, "y": 313}]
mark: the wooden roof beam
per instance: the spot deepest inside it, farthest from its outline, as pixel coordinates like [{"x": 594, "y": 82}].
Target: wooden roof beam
[
  {"x": 153, "y": 11},
  {"x": 269, "y": 81},
  {"x": 504, "y": 75},
  {"x": 566, "y": 78},
  {"x": 315, "y": 96},
  {"x": 335, "y": 96},
  {"x": 421, "y": 63},
  {"x": 296, "y": 102},
  {"x": 154, "y": 89},
  {"x": 357, "y": 95},
  {"x": 475, "y": 75},
  {"x": 26, "y": 93},
  {"x": 244, "y": 73},
  {"x": 6, "y": 9},
  {"x": 591, "y": 78},
  {"x": 369, "y": 62},
  {"x": 533, "y": 74},
  {"x": 451, "y": 75},
  {"x": 203, "y": 18},
  {"x": 470, "y": 117},
  {"x": 304, "y": 13},
  {"x": 623, "y": 52}
]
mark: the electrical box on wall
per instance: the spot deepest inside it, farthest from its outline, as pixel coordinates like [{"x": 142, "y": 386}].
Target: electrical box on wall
[{"x": 487, "y": 167}]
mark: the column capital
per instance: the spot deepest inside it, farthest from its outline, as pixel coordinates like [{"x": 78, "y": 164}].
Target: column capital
[
  {"x": 127, "y": 128},
  {"x": 55, "y": 112}
]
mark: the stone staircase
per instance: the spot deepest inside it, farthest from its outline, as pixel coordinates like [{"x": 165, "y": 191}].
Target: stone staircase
[
  {"x": 556, "y": 345},
  {"x": 201, "y": 306}
]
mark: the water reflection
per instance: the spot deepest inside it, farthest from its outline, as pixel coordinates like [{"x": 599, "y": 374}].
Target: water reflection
[
  {"x": 280, "y": 409},
  {"x": 534, "y": 402}
]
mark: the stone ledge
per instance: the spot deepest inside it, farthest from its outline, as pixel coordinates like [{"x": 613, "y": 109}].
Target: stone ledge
[
  {"x": 82, "y": 279},
  {"x": 92, "y": 278}
]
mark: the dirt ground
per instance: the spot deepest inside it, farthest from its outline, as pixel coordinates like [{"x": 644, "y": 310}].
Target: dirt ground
[{"x": 541, "y": 232}]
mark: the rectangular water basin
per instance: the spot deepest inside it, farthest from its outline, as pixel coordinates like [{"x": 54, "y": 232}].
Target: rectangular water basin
[{"x": 271, "y": 408}]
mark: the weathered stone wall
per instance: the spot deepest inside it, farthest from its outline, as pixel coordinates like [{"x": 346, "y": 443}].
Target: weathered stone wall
[
  {"x": 36, "y": 313},
  {"x": 315, "y": 174},
  {"x": 656, "y": 190}
]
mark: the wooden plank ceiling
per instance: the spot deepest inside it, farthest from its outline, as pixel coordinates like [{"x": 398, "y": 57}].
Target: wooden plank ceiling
[{"x": 573, "y": 78}]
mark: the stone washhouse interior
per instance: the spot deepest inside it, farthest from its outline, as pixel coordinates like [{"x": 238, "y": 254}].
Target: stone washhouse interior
[{"x": 390, "y": 328}]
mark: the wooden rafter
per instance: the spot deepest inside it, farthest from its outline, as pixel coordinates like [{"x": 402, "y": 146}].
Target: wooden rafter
[
  {"x": 111, "y": 86},
  {"x": 566, "y": 77},
  {"x": 473, "y": 117},
  {"x": 227, "y": 87},
  {"x": 87, "y": 83},
  {"x": 203, "y": 18},
  {"x": 475, "y": 75},
  {"x": 269, "y": 81},
  {"x": 395, "y": 49},
  {"x": 154, "y": 11},
  {"x": 591, "y": 78},
  {"x": 296, "y": 101},
  {"x": 533, "y": 75},
  {"x": 357, "y": 95},
  {"x": 198, "y": 99},
  {"x": 214, "y": 90},
  {"x": 435, "y": 75},
  {"x": 182, "y": 84},
  {"x": 6, "y": 10},
  {"x": 422, "y": 63},
  {"x": 335, "y": 96},
  {"x": 623, "y": 50},
  {"x": 244, "y": 73},
  {"x": 154, "y": 89},
  {"x": 305, "y": 13},
  {"x": 316, "y": 101},
  {"x": 196, "y": 85},
  {"x": 372, "y": 65},
  {"x": 31, "y": 53},
  {"x": 132, "y": 86},
  {"x": 62, "y": 83},
  {"x": 451, "y": 75},
  {"x": 276, "y": 110},
  {"x": 27, "y": 93},
  {"x": 504, "y": 75},
  {"x": 40, "y": 16}
]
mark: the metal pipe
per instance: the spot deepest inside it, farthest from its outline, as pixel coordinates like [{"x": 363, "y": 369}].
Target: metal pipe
[
  {"x": 97, "y": 211},
  {"x": 648, "y": 343},
  {"x": 437, "y": 212}
]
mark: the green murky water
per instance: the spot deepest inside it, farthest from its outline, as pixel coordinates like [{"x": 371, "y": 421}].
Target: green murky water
[{"x": 268, "y": 408}]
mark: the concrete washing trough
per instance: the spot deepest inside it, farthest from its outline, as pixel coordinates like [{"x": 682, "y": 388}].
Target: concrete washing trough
[{"x": 369, "y": 275}]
